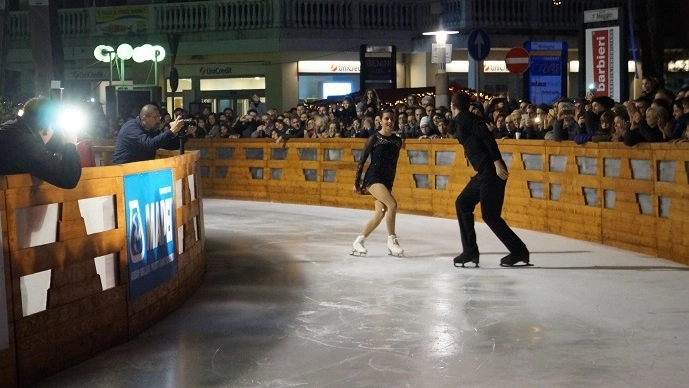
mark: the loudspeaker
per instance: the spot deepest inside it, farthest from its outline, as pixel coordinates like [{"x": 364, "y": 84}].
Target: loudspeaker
[{"x": 124, "y": 101}]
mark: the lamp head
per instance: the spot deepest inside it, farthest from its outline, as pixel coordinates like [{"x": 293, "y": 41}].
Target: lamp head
[
  {"x": 158, "y": 53},
  {"x": 140, "y": 55},
  {"x": 441, "y": 35},
  {"x": 103, "y": 53},
  {"x": 125, "y": 51}
]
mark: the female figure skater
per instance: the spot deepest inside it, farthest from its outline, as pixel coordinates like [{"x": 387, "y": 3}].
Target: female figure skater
[{"x": 384, "y": 148}]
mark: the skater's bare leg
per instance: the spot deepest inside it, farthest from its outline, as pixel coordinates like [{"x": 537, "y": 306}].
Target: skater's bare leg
[
  {"x": 387, "y": 205},
  {"x": 373, "y": 223}
]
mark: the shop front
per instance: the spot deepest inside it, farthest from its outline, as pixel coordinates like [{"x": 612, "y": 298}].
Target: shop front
[
  {"x": 320, "y": 79},
  {"x": 217, "y": 86}
]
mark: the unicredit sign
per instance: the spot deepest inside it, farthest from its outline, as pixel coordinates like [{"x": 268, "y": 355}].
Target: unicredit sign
[
  {"x": 329, "y": 67},
  {"x": 86, "y": 75},
  {"x": 209, "y": 70},
  {"x": 344, "y": 68}
]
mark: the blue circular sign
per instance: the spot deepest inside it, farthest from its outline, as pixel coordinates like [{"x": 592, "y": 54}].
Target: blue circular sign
[{"x": 478, "y": 45}]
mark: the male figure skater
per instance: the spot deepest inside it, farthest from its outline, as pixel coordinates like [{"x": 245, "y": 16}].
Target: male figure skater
[{"x": 487, "y": 187}]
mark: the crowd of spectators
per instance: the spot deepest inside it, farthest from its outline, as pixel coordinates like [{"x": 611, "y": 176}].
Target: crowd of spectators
[
  {"x": 417, "y": 118},
  {"x": 657, "y": 115}
]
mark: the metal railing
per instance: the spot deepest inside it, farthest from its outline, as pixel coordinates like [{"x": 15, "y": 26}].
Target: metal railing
[{"x": 378, "y": 16}]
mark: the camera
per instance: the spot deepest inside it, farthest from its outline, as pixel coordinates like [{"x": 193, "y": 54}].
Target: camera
[{"x": 189, "y": 121}]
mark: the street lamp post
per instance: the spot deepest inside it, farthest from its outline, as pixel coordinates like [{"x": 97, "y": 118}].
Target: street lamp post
[
  {"x": 125, "y": 52},
  {"x": 441, "y": 54},
  {"x": 106, "y": 54}
]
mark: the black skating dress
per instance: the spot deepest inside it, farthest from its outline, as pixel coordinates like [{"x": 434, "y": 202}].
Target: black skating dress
[{"x": 384, "y": 151}]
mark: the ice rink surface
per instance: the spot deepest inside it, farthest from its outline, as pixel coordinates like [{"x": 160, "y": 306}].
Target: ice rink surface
[{"x": 285, "y": 305}]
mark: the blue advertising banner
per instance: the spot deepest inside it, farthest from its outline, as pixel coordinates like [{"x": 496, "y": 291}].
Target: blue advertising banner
[
  {"x": 545, "y": 79},
  {"x": 150, "y": 217}
]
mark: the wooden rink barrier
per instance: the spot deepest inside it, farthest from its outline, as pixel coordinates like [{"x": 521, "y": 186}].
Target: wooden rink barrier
[
  {"x": 634, "y": 198},
  {"x": 66, "y": 276}
]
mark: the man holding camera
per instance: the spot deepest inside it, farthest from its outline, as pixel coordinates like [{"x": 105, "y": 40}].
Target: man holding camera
[
  {"x": 29, "y": 145},
  {"x": 141, "y": 137},
  {"x": 565, "y": 126}
]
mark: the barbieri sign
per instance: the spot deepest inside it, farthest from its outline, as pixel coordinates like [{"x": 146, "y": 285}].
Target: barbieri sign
[
  {"x": 605, "y": 55},
  {"x": 602, "y": 72}
]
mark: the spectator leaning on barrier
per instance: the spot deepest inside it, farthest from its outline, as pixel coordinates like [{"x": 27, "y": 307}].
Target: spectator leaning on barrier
[
  {"x": 565, "y": 127},
  {"x": 140, "y": 137},
  {"x": 29, "y": 145},
  {"x": 646, "y": 129}
]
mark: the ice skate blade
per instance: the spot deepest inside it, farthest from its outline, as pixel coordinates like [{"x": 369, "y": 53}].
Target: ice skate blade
[
  {"x": 516, "y": 265},
  {"x": 462, "y": 266},
  {"x": 358, "y": 254},
  {"x": 395, "y": 255}
]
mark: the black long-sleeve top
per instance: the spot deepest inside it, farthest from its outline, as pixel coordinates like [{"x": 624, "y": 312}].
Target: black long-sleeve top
[
  {"x": 23, "y": 151},
  {"x": 384, "y": 151},
  {"x": 480, "y": 147}
]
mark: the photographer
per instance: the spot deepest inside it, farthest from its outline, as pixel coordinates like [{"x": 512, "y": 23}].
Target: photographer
[
  {"x": 141, "y": 137},
  {"x": 245, "y": 126},
  {"x": 28, "y": 145},
  {"x": 565, "y": 127}
]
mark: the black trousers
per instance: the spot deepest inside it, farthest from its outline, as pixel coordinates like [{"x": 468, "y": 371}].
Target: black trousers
[{"x": 488, "y": 189}]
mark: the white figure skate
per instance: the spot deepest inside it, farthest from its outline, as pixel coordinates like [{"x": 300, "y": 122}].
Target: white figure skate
[
  {"x": 394, "y": 247},
  {"x": 358, "y": 248}
]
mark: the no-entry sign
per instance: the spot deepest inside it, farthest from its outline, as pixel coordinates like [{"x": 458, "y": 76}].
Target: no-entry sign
[{"x": 517, "y": 60}]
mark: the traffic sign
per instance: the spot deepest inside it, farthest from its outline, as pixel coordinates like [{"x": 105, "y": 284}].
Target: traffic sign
[
  {"x": 478, "y": 45},
  {"x": 517, "y": 60}
]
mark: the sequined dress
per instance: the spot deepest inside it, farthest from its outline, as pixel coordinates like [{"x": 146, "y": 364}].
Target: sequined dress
[{"x": 384, "y": 152}]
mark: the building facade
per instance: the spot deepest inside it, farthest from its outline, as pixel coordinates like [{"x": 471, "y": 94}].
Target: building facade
[{"x": 286, "y": 50}]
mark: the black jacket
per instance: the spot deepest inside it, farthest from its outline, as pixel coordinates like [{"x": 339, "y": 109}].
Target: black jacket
[
  {"x": 479, "y": 144},
  {"x": 643, "y": 133},
  {"x": 135, "y": 143},
  {"x": 23, "y": 151}
]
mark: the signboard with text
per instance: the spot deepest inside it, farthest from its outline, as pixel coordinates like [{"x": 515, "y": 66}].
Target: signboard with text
[
  {"x": 328, "y": 67},
  {"x": 219, "y": 70},
  {"x": 604, "y": 57},
  {"x": 602, "y": 64},
  {"x": 378, "y": 67},
  {"x": 129, "y": 20},
  {"x": 150, "y": 217},
  {"x": 546, "y": 79}
]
